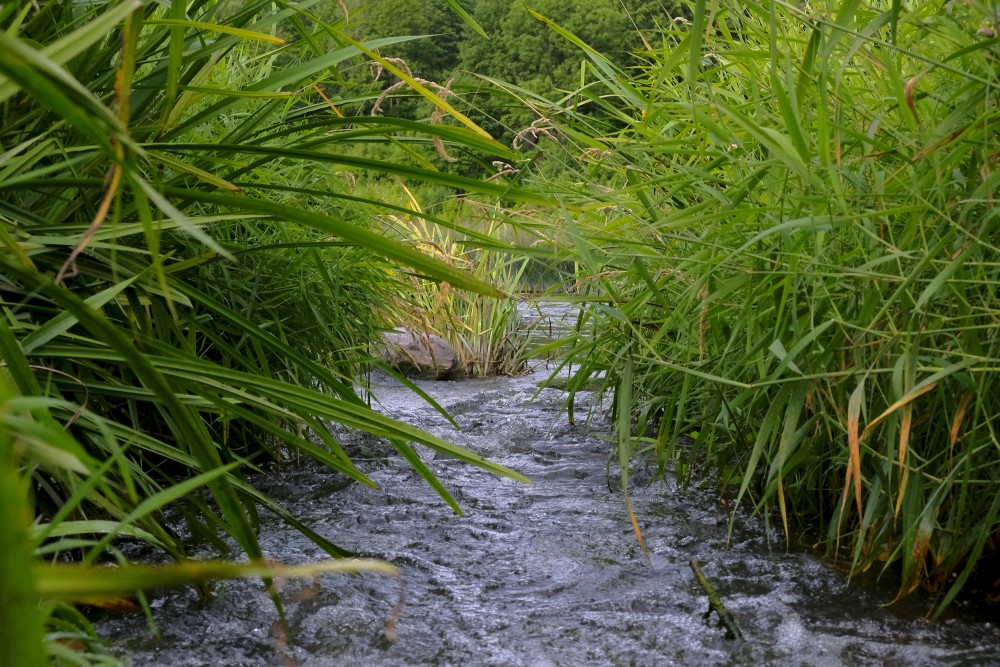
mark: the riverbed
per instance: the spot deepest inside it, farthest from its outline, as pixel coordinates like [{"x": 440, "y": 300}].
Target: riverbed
[{"x": 533, "y": 575}]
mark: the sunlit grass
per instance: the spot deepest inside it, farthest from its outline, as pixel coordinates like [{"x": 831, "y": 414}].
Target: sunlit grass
[{"x": 488, "y": 334}]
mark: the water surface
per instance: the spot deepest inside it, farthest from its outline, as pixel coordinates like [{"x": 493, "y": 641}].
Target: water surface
[{"x": 539, "y": 575}]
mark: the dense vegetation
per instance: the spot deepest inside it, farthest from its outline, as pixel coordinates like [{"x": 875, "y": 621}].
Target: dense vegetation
[
  {"x": 189, "y": 289},
  {"x": 782, "y": 224},
  {"x": 796, "y": 268}
]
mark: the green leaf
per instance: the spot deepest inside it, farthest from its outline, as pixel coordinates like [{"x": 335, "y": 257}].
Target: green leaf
[
  {"x": 350, "y": 232},
  {"x": 467, "y": 18},
  {"x": 76, "y": 582},
  {"x": 250, "y": 35},
  {"x": 65, "y": 49}
]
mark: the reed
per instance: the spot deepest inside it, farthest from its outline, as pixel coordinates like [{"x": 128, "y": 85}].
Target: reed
[
  {"x": 488, "y": 333},
  {"x": 186, "y": 286},
  {"x": 796, "y": 268}
]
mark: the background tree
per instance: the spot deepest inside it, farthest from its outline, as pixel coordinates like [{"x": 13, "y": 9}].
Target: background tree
[
  {"x": 432, "y": 59},
  {"x": 520, "y": 50},
  {"x": 525, "y": 52}
]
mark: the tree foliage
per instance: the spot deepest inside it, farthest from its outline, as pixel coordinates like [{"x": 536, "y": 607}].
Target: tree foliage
[{"x": 520, "y": 50}]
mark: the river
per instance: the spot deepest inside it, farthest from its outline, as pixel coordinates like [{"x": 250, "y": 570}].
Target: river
[{"x": 536, "y": 575}]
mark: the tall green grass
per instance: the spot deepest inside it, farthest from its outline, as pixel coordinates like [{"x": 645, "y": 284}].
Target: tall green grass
[
  {"x": 186, "y": 288},
  {"x": 488, "y": 334},
  {"x": 796, "y": 265}
]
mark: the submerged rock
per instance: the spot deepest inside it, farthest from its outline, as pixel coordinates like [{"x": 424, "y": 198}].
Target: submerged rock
[{"x": 420, "y": 356}]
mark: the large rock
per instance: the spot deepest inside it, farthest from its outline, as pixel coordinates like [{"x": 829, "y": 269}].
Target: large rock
[{"x": 420, "y": 356}]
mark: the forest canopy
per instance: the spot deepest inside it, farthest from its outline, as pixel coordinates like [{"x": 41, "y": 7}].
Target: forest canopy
[{"x": 518, "y": 48}]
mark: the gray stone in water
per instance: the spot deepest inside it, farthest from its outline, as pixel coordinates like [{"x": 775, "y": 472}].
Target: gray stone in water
[{"x": 421, "y": 356}]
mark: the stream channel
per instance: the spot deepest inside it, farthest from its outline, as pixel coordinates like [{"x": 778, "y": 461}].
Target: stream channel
[{"x": 536, "y": 575}]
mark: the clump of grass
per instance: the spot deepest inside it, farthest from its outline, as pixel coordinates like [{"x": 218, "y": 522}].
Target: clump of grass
[
  {"x": 488, "y": 333},
  {"x": 186, "y": 287},
  {"x": 796, "y": 267}
]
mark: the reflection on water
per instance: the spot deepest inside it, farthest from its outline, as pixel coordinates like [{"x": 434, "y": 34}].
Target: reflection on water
[{"x": 546, "y": 574}]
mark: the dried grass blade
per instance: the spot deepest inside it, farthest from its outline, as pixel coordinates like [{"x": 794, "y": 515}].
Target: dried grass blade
[
  {"x": 854, "y": 450},
  {"x": 956, "y": 423},
  {"x": 635, "y": 527},
  {"x": 906, "y": 422}
]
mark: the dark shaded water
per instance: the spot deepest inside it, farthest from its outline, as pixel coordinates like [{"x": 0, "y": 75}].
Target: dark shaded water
[{"x": 540, "y": 575}]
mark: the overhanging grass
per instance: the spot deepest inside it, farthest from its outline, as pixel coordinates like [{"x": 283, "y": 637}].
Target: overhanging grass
[{"x": 151, "y": 346}]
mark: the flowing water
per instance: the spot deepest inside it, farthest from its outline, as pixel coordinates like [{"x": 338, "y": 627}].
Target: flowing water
[{"x": 536, "y": 575}]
